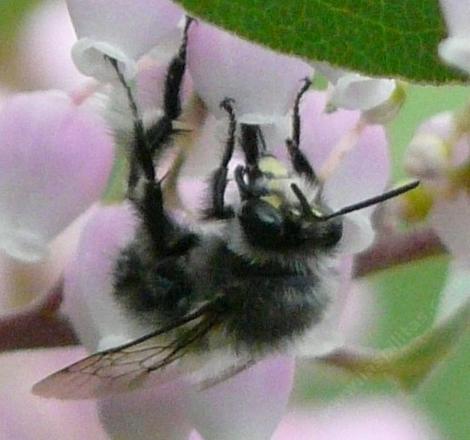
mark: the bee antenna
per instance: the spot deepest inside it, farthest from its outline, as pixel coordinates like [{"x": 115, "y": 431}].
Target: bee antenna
[
  {"x": 143, "y": 150},
  {"x": 306, "y": 209},
  {"x": 373, "y": 200}
]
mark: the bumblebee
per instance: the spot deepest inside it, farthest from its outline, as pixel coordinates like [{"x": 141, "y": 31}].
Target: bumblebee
[{"x": 251, "y": 287}]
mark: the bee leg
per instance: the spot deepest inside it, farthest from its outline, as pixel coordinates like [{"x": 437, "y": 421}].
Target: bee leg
[
  {"x": 250, "y": 146},
  {"x": 161, "y": 132},
  {"x": 299, "y": 161},
  {"x": 218, "y": 182}
]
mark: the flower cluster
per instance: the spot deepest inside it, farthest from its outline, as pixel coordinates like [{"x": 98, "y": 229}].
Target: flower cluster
[{"x": 56, "y": 175}]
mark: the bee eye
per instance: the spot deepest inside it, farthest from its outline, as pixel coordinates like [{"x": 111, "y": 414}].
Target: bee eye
[{"x": 260, "y": 220}]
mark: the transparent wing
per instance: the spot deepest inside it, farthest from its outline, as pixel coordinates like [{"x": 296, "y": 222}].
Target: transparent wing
[{"x": 146, "y": 361}]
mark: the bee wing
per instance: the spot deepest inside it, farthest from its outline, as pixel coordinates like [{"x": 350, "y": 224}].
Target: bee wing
[{"x": 129, "y": 366}]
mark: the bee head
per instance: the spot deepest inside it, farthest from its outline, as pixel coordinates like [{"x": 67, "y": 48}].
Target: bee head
[{"x": 277, "y": 215}]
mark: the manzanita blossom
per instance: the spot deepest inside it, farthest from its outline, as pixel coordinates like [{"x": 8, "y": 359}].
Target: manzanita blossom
[
  {"x": 55, "y": 159},
  {"x": 123, "y": 29},
  {"x": 262, "y": 83},
  {"x": 455, "y": 49}
]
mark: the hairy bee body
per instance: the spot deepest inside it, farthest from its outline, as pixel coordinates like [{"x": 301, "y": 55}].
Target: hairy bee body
[{"x": 262, "y": 303}]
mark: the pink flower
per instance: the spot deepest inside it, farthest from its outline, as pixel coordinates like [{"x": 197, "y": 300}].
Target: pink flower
[
  {"x": 262, "y": 83},
  {"x": 122, "y": 29},
  {"x": 55, "y": 159}
]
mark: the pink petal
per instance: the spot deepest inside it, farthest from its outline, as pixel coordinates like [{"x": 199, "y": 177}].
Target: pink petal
[
  {"x": 248, "y": 406},
  {"x": 327, "y": 335},
  {"x": 55, "y": 160},
  {"x": 96, "y": 316},
  {"x": 360, "y": 313},
  {"x": 44, "y": 48},
  {"x": 124, "y": 29},
  {"x": 449, "y": 219},
  {"x": 147, "y": 414},
  {"x": 28, "y": 417},
  {"x": 262, "y": 83}
]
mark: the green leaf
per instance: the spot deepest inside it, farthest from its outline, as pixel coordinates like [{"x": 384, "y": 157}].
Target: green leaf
[
  {"x": 409, "y": 365},
  {"x": 387, "y": 38}
]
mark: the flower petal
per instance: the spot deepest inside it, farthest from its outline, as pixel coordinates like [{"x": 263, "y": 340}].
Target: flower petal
[
  {"x": 249, "y": 406},
  {"x": 326, "y": 336},
  {"x": 362, "y": 173},
  {"x": 28, "y": 417},
  {"x": 449, "y": 219},
  {"x": 456, "y": 292},
  {"x": 455, "y": 51},
  {"x": 147, "y": 414},
  {"x": 225, "y": 66},
  {"x": 357, "y": 92},
  {"x": 54, "y": 163},
  {"x": 96, "y": 316},
  {"x": 123, "y": 28}
]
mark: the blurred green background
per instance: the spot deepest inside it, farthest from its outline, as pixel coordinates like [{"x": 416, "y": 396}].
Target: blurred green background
[{"x": 406, "y": 296}]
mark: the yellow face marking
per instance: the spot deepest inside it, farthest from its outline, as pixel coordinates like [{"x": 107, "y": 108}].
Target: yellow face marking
[
  {"x": 270, "y": 165},
  {"x": 274, "y": 200}
]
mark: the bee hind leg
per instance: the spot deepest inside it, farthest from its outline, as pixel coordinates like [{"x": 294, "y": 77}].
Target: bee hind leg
[{"x": 144, "y": 188}]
